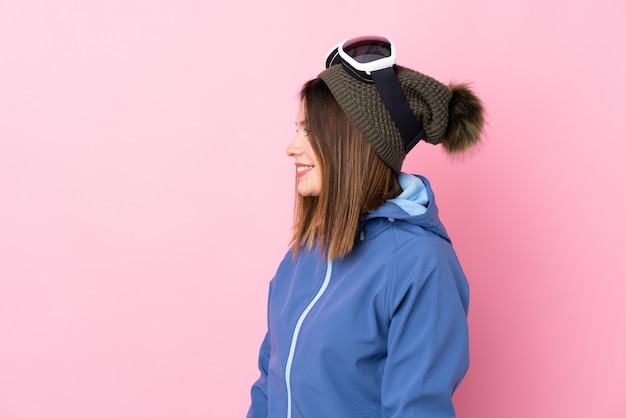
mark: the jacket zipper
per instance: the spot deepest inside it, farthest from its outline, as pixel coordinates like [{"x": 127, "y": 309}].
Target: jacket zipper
[{"x": 296, "y": 332}]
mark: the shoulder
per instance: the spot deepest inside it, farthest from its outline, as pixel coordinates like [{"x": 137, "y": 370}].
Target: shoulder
[{"x": 423, "y": 262}]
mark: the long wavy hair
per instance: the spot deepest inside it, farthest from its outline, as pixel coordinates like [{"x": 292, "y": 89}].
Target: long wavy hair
[{"x": 354, "y": 179}]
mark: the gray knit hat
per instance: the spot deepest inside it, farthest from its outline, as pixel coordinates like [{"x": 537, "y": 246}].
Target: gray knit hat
[{"x": 452, "y": 115}]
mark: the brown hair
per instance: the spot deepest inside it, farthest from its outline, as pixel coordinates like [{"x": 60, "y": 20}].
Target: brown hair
[{"x": 354, "y": 178}]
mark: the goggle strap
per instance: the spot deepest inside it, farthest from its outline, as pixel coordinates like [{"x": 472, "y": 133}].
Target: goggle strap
[{"x": 395, "y": 101}]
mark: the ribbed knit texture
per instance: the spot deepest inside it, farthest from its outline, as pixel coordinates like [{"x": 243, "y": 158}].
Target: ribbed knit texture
[{"x": 427, "y": 97}]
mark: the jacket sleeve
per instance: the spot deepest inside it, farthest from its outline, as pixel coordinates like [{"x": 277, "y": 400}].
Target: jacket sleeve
[
  {"x": 427, "y": 349},
  {"x": 258, "y": 393}
]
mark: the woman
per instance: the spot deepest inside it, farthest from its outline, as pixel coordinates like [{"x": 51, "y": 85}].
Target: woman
[{"x": 367, "y": 311}]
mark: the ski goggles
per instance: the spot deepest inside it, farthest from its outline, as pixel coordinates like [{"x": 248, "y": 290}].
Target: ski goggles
[
  {"x": 363, "y": 55},
  {"x": 371, "y": 59}
]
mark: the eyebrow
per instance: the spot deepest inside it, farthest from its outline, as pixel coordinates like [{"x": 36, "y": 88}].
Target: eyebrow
[{"x": 302, "y": 123}]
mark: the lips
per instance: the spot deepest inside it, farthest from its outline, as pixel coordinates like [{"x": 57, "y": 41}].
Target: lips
[{"x": 302, "y": 169}]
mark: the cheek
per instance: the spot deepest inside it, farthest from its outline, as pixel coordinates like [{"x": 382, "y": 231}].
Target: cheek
[
  {"x": 308, "y": 150},
  {"x": 318, "y": 179}
]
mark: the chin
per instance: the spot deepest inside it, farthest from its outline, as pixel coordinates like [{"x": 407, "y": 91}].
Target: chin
[{"x": 308, "y": 193}]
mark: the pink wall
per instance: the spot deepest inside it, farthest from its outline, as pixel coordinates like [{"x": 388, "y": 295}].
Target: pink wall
[{"x": 146, "y": 198}]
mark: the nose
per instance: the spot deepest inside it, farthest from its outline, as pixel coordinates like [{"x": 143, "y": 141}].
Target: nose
[{"x": 293, "y": 149}]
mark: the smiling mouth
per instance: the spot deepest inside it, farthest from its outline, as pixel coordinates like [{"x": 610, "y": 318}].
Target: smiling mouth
[{"x": 302, "y": 170}]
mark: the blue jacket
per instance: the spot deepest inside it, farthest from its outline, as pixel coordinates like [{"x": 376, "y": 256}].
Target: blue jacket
[{"x": 379, "y": 333}]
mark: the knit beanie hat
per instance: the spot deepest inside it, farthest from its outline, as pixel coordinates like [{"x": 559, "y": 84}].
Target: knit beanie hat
[{"x": 450, "y": 115}]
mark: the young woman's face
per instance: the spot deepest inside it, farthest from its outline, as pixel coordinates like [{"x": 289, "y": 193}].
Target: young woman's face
[{"x": 308, "y": 175}]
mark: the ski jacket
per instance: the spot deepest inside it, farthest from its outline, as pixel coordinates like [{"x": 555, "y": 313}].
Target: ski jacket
[{"x": 379, "y": 333}]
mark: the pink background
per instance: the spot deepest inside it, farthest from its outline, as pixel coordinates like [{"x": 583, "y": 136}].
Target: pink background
[{"x": 146, "y": 199}]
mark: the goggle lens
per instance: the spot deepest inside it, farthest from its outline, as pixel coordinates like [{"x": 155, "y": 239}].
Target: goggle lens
[{"x": 368, "y": 49}]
